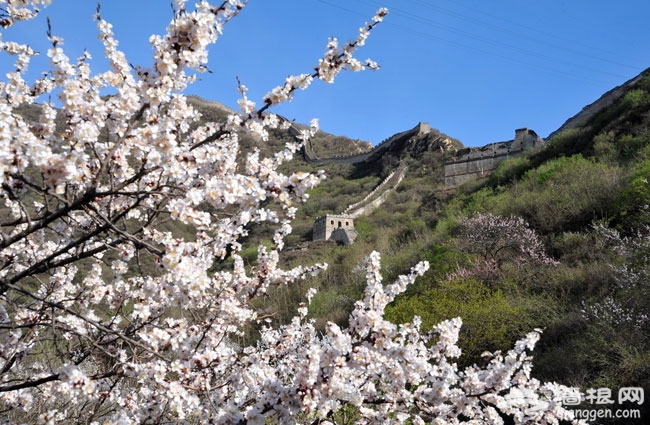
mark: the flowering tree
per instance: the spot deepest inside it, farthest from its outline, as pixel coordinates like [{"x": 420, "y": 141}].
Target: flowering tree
[
  {"x": 624, "y": 305},
  {"x": 110, "y": 314},
  {"x": 496, "y": 239}
]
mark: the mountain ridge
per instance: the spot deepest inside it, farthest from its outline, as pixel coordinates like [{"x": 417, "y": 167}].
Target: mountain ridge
[
  {"x": 603, "y": 102},
  {"x": 343, "y": 150}
]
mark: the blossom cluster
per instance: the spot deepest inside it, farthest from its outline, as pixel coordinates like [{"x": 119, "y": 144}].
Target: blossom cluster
[
  {"x": 18, "y": 10},
  {"x": 338, "y": 58},
  {"x": 622, "y": 306},
  {"x": 123, "y": 294},
  {"x": 496, "y": 239}
]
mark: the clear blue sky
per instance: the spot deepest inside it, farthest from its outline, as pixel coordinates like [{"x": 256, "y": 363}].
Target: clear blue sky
[{"x": 475, "y": 70}]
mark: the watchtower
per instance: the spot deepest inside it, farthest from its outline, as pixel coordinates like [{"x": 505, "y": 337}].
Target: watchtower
[{"x": 337, "y": 227}]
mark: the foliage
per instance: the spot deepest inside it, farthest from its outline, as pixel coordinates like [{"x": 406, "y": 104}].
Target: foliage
[
  {"x": 622, "y": 306},
  {"x": 636, "y": 97},
  {"x": 634, "y": 201},
  {"x": 569, "y": 142},
  {"x": 594, "y": 333},
  {"x": 563, "y": 194},
  {"x": 336, "y": 193},
  {"x": 490, "y": 320},
  {"x": 510, "y": 169},
  {"x": 618, "y": 319}
]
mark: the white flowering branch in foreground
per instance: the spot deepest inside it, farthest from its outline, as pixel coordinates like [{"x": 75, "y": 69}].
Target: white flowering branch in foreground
[{"x": 117, "y": 214}]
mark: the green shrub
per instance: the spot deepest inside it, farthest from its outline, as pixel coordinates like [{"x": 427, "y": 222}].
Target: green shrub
[
  {"x": 363, "y": 227},
  {"x": 563, "y": 194},
  {"x": 490, "y": 321},
  {"x": 605, "y": 148},
  {"x": 443, "y": 261},
  {"x": 633, "y": 210},
  {"x": 330, "y": 306},
  {"x": 480, "y": 201},
  {"x": 629, "y": 145},
  {"x": 249, "y": 255},
  {"x": 575, "y": 248},
  {"x": 636, "y": 97},
  {"x": 510, "y": 169},
  {"x": 568, "y": 142}
]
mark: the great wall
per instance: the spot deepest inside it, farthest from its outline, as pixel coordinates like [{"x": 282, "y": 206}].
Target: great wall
[
  {"x": 466, "y": 164},
  {"x": 378, "y": 195},
  {"x": 311, "y": 157},
  {"x": 472, "y": 163},
  {"x": 340, "y": 227}
]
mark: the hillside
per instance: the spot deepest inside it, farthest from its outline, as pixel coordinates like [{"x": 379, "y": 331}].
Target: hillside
[
  {"x": 327, "y": 144},
  {"x": 555, "y": 238}
]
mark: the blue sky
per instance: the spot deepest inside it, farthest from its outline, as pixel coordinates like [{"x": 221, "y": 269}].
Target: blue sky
[{"x": 475, "y": 70}]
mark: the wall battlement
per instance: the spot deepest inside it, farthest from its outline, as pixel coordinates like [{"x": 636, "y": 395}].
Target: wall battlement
[
  {"x": 311, "y": 157},
  {"x": 378, "y": 195},
  {"x": 472, "y": 163}
]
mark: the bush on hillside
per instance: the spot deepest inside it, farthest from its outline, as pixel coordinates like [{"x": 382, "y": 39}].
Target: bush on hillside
[
  {"x": 510, "y": 170},
  {"x": 491, "y": 321},
  {"x": 563, "y": 194}
]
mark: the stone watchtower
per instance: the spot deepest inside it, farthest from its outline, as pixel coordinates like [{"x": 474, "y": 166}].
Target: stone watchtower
[
  {"x": 336, "y": 227},
  {"x": 525, "y": 138}
]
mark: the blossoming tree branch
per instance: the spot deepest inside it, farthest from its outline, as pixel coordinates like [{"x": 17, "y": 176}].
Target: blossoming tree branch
[{"x": 110, "y": 314}]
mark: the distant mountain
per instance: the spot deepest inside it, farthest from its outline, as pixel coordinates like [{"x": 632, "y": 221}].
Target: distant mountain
[{"x": 325, "y": 144}]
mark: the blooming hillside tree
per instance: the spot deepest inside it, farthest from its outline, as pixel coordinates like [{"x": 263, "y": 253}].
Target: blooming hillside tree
[
  {"x": 624, "y": 304},
  {"x": 115, "y": 210},
  {"x": 497, "y": 240}
]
